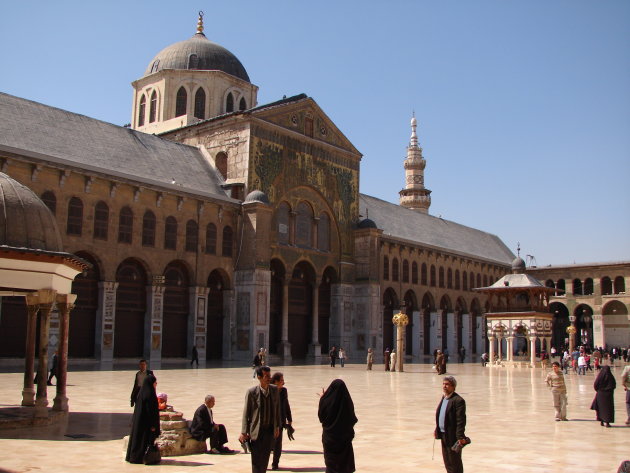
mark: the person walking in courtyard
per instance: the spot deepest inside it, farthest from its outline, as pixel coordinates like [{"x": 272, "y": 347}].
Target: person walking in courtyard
[
  {"x": 333, "y": 356},
  {"x": 392, "y": 358},
  {"x": 581, "y": 364},
  {"x": 462, "y": 354},
  {"x": 625, "y": 381},
  {"x": 370, "y": 359},
  {"x": 53, "y": 370},
  {"x": 440, "y": 363},
  {"x": 450, "y": 426},
  {"x": 386, "y": 358},
  {"x": 195, "y": 356},
  {"x": 145, "y": 423},
  {"x": 336, "y": 413},
  {"x": 484, "y": 359},
  {"x": 604, "y": 404},
  {"x": 139, "y": 380},
  {"x": 261, "y": 419},
  {"x": 203, "y": 427},
  {"x": 257, "y": 361},
  {"x": 555, "y": 380},
  {"x": 342, "y": 356},
  {"x": 285, "y": 418}
]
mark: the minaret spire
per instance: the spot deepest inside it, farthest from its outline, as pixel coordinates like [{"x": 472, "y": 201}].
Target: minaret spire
[
  {"x": 200, "y": 23},
  {"x": 415, "y": 196}
]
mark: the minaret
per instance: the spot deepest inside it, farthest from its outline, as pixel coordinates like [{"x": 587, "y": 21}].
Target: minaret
[{"x": 415, "y": 196}]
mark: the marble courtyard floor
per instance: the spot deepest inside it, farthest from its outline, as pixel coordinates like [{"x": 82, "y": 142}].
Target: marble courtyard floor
[{"x": 510, "y": 421}]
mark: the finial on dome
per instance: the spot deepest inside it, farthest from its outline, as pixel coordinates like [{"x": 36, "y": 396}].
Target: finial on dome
[
  {"x": 518, "y": 249},
  {"x": 200, "y": 23}
]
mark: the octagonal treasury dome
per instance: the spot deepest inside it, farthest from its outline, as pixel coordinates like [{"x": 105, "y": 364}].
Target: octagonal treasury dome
[
  {"x": 197, "y": 53},
  {"x": 25, "y": 221}
]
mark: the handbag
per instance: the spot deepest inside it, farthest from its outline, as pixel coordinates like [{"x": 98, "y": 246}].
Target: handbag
[{"x": 152, "y": 455}]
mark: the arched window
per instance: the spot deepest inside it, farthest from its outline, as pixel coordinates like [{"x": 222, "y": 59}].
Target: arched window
[
  {"x": 405, "y": 271},
  {"x": 588, "y": 286},
  {"x": 242, "y": 105},
  {"x": 170, "y": 233},
  {"x": 385, "y": 268},
  {"x": 560, "y": 288},
  {"x": 433, "y": 281},
  {"x": 200, "y": 104},
  {"x": 471, "y": 280},
  {"x": 282, "y": 223},
  {"x": 485, "y": 280},
  {"x": 423, "y": 274},
  {"x": 153, "y": 107},
  {"x": 50, "y": 200},
  {"x": 221, "y": 163},
  {"x": 441, "y": 277},
  {"x": 141, "y": 110},
  {"x": 75, "y": 217},
  {"x": 229, "y": 103},
  {"x": 465, "y": 281},
  {"x": 211, "y": 239},
  {"x": 193, "y": 61},
  {"x": 192, "y": 236},
  {"x": 303, "y": 225},
  {"x": 323, "y": 233},
  {"x": 125, "y": 225},
  {"x": 395, "y": 269},
  {"x": 478, "y": 280},
  {"x": 577, "y": 287},
  {"x": 620, "y": 285},
  {"x": 449, "y": 278},
  {"x": 180, "y": 102},
  {"x": 101, "y": 220},
  {"x": 414, "y": 273},
  {"x": 227, "y": 241},
  {"x": 148, "y": 229},
  {"x": 457, "y": 279}
]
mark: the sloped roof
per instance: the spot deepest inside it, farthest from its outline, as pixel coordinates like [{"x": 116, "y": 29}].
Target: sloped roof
[
  {"x": 518, "y": 281},
  {"x": 427, "y": 230},
  {"x": 42, "y": 132}
]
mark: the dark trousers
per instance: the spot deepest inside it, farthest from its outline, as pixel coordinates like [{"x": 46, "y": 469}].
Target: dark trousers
[
  {"x": 332, "y": 361},
  {"x": 261, "y": 449},
  {"x": 218, "y": 437},
  {"x": 452, "y": 460},
  {"x": 277, "y": 449}
]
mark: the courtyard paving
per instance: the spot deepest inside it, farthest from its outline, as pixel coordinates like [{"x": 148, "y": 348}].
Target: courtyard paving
[{"x": 510, "y": 421}]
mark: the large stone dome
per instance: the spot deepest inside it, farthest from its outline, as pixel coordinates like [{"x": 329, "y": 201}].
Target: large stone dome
[
  {"x": 25, "y": 221},
  {"x": 197, "y": 53}
]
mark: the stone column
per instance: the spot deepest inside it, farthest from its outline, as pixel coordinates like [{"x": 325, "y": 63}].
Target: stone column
[
  {"x": 491, "y": 354},
  {"x": 571, "y": 333},
  {"x": 285, "y": 346},
  {"x": 46, "y": 299},
  {"x": 532, "y": 350},
  {"x": 400, "y": 320},
  {"x": 598, "y": 330},
  {"x": 510, "y": 349},
  {"x": 316, "y": 348},
  {"x": 198, "y": 327},
  {"x": 500, "y": 348},
  {"x": 548, "y": 345},
  {"x": 153, "y": 321},
  {"x": 65, "y": 303},
  {"x": 106, "y": 317},
  {"x": 28, "y": 393}
]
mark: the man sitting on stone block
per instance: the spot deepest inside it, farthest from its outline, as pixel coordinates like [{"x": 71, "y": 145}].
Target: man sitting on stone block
[{"x": 203, "y": 427}]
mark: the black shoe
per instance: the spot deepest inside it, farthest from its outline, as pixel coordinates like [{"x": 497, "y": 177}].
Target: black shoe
[
  {"x": 607, "y": 424},
  {"x": 601, "y": 423},
  {"x": 275, "y": 467}
]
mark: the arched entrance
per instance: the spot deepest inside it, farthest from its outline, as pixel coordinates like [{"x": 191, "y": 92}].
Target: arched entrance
[
  {"x": 428, "y": 306},
  {"x": 275, "y": 305},
  {"x": 176, "y": 311},
  {"x": 411, "y": 305},
  {"x": 445, "y": 308},
  {"x": 583, "y": 325},
  {"x": 328, "y": 279},
  {"x": 301, "y": 309},
  {"x": 559, "y": 325},
  {"x": 460, "y": 310},
  {"x": 479, "y": 327},
  {"x": 616, "y": 324},
  {"x": 217, "y": 283},
  {"x": 13, "y": 316},
  {"x": 83, "y": 316},
  {"x": 390, "y": 305},
  {"x": 131, "y": 305}
]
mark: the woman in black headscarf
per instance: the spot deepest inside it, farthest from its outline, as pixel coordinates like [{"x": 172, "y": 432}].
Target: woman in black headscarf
[
  {"x": 145, "y": 424},
  {"x": 603, "y": 404},
  {"x": 336, "y": 413}
]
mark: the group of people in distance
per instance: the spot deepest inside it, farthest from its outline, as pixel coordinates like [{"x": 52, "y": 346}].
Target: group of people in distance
[{"x": 266, "y": 414}]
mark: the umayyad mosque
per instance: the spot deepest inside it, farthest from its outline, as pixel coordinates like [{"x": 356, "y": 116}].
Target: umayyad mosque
[{"x": 215, "y": 222}]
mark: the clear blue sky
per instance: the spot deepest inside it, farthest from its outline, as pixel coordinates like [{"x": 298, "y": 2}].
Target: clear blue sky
[{"x": 523, "y": 106}]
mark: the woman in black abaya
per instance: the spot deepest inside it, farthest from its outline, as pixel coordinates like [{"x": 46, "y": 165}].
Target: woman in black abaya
[
  {"x": 603, "y": 404},
  {"x": 336, "y": 413},
  {"x": 145, "y": 424}
]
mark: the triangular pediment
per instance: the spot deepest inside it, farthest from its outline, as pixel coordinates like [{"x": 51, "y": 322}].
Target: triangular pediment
[{"x": 301, "y": 114}]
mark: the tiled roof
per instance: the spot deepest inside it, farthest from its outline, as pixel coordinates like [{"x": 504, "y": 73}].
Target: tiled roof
[
  {"x": 427, "y": 230},
  {"x": 42, "y": 132}
]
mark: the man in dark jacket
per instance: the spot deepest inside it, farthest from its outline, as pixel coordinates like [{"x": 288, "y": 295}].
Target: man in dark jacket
[
  {"x": 203, "y": 427},
  {"x": 450, "y": 420},
  {"x": 285, "y": 418},
  {"x": 138, "y": 380}
]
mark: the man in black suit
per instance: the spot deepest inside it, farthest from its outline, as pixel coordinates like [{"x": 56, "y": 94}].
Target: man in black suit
[
  {"x": 138, "y": 380},
  {"x": 203, "y": 427},
  {"x": 450, "y": 420},
  {"x": 285, "y": 417}
]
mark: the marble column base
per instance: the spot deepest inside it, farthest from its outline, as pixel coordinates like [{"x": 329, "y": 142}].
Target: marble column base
[
  {"x": 60, "y": 403},
  {"x": 285, "y": 351},
  {"x": 28, "y": 397}
]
